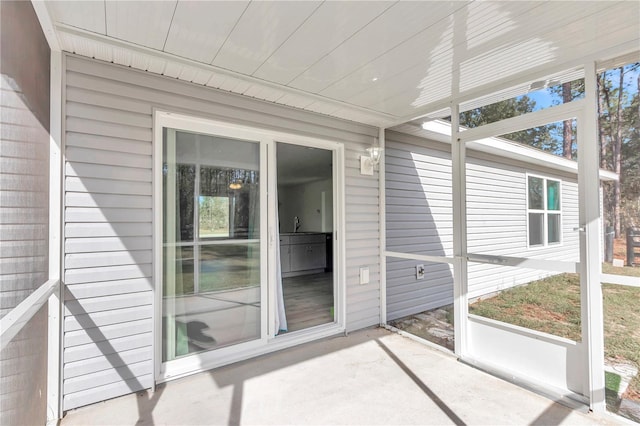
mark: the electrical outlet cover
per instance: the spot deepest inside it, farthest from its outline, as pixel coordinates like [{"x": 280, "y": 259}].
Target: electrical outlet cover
[{"x": 420, "y": 272}]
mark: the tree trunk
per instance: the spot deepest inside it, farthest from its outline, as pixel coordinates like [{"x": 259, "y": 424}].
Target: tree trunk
[
  {"x": 601, "y": 121},
  {"x": 617, "y": 158},
  {"x": 566, "y": 125}
]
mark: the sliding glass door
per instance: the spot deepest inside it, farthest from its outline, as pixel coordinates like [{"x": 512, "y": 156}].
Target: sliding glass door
[
  {"x": 226, "y": 198},
  {"x": 211, "y": 243}
]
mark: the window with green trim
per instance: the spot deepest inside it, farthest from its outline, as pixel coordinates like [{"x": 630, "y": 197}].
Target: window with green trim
[{"x": 544, "y": 214}]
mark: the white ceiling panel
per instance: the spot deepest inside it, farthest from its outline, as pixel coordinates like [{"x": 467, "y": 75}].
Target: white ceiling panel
[
  {"x": 369, "y": 61},
  {"x": 140, "y": 22},
  {"x": 515, "y": 49},
  {"x": 413, "y": 61},
  {"x": 199, "y": 28},
  {"x": 381, "y": 35},
  {"x": 414, "y": 52},
  {"x": 263, "y": 28},
  {"x": 88, "y": 15},
  {"x": 329, "y": 26}
]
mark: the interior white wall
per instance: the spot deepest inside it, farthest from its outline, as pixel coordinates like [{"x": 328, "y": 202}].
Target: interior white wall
[{"x": 305, "y": 201}]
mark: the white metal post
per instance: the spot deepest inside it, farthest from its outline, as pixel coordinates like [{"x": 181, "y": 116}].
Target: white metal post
[
  {"x": 382, "y": 217},
  {"x": 459, "y": 197},
  {"x": 590, "y": 247},
  {"x": 54, "y": 346}
]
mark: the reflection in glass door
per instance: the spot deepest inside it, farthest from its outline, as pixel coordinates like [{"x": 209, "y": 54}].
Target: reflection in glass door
[{"x": 211, "y": 243}]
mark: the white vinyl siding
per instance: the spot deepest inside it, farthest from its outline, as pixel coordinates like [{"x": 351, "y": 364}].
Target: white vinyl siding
[
  {"x": 108, "y": 216},
  {"x": 420, "y": 220}
]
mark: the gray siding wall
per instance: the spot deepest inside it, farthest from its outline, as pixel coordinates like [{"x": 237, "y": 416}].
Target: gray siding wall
[
  {"x": 24, "y": 202},
  {"x": 420, "y": 220},
  {"x": 108, "y": 269}
]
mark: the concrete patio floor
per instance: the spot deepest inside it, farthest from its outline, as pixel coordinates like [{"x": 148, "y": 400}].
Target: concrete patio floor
[{"x": 370, "y": 377}]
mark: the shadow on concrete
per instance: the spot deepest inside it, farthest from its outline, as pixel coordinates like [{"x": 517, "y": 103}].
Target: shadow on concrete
[{"x": 428, "y": 392}]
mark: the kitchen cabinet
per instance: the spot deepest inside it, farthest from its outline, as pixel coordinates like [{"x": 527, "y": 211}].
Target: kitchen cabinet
[{"x": 303, "y": 253}]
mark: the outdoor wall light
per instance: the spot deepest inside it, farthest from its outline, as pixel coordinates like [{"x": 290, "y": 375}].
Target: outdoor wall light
[{"x": 370, "y": 162}]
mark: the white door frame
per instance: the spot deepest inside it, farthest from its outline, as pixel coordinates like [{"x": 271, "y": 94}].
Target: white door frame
[{"x": 267, "y": 342}]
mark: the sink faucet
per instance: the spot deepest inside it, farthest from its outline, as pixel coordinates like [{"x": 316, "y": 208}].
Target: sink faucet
[{"x": 296, "y": 224}]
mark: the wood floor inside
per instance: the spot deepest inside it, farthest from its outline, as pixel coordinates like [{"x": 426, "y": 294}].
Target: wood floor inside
[{"x": 308, "y": 300}]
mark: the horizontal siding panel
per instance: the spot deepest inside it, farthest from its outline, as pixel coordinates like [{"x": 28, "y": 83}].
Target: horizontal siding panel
[
  {"x": 22, "y": 215},
  {"x": 99, "y": 319},
  {"x": 110, "y": 158},
  {"x": 21, "y": 116},
  {"x": 109, "y": 144},
  {"x": 10, "y": 249},
  {"x": 76, "y": 199},
  {"x": 107, "y": 303},
  {"x": 16, "y": 232},
  {"x": 112, "y": 346},
  {"x": 24, "y": 150},
  {"x": 37, "y": 184},
  {"x": 107, "y": 377},
  {"x": 85, "y": 275},
  {"x": 90, "y": 97},
  {"x": 79, "y": 214},
  {"x": 107, "y": 288},
  {"x": 95, "y": 127},
  {"x": 106, "y": 186},
  {"x": 20, "y": 265},
  {"x": 28, "y": 281},
  {"x": 99, "y": 334},
  {"x": 102, "y": 393},
  {"x": 22, "y": 166},
  {"x": 108, "y": 115},
  {"x": 88, "y": 260},
  {"x": 108, "y": 244},
  {"x": 87, "y": 170},
  {"x": 79, "y": 230},
  {"x": 18, "y": 133},
  {"x": 106, "y": 362}
]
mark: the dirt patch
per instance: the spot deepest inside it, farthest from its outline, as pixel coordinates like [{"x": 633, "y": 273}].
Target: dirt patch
[
  {"x": 538, "y": 313},
  {"x": 632, "y": 394},
  {"x": 620, "y": 249}
]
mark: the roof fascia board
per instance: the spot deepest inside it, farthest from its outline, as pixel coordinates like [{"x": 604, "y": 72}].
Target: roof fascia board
[
  {"x": 48, "y": 28},
  {"x": 508, "y": 149},
  {"x": 619, "y": 61},
  {"x": 376, "y": 118},
  {"x": 532, "y": 74}
]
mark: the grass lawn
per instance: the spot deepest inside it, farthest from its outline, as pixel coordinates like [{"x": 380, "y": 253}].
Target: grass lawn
[{"x": 552, "y": 305}]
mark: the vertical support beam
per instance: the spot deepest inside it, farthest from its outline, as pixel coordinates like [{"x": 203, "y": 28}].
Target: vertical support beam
[
  {"x": 382, "y": 218},
  {"x": 459, "y": 194},
  {"x": 54, "y": 343},
  {"x": 590, "y": 247}
]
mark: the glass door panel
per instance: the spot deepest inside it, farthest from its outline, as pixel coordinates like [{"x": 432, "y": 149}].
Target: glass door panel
[
  {"x": 305, "y": 211},
  {"x": 211, "y": 243}
]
